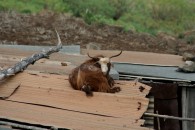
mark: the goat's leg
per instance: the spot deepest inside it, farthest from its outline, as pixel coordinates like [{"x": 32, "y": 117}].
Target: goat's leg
[
  {"x": 111, "y": 81},
  {"x": 87, "y": 89},
  {"x": 114, "y": 89}
]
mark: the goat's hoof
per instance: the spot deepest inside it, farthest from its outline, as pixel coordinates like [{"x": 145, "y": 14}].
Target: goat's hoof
[
  {"x": 89, "y": 94},
  {"x": 87, "y": 90},
  {"x": 116, "y": 89}
]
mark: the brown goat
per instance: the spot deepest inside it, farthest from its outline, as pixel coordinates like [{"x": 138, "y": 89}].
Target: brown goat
[{"x": 93, "y": 75}]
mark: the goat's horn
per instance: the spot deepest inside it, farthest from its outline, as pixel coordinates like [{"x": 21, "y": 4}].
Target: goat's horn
[
  {"x": 59, "y": 40},
  {"x": 89, "y": 55},
  {"x": 116, "y": 55}
]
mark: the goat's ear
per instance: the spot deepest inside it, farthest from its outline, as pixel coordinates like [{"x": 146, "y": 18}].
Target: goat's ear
[{"x": 110, "y": 65}]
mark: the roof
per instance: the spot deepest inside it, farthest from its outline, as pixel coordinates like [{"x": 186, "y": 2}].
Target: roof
[
  {"x": 148, "y": 65},
  {"x": 145, "y": 58},
  {"x": 42, "y": 95},
  {"x": 153, "y": 72},
  {"x": 48, "y": 99}
]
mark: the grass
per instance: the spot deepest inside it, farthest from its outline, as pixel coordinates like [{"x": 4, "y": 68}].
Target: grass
[{"x": 151, "y": 16}]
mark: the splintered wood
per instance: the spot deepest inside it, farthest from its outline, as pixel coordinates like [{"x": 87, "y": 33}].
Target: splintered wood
[{"x": 48, "y": 99}]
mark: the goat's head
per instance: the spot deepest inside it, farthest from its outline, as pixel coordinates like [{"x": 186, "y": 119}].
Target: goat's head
[{"x": 104, "y": 62}]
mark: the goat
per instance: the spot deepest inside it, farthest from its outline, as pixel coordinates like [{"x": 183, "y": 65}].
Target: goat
[{"x": 93, "y": 75}]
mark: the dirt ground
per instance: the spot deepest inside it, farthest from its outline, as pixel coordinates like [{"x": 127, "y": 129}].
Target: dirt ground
[{"x": 39, "y": 30}]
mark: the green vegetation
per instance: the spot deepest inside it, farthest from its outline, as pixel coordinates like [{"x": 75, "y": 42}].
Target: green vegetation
[{"x": 151, "y": 16}]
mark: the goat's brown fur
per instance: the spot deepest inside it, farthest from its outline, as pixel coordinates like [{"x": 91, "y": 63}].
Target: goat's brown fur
[{"x": 89, "y": 75}]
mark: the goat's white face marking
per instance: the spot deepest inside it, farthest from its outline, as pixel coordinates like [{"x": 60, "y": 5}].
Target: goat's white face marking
[{"x": 103, "y": 62}]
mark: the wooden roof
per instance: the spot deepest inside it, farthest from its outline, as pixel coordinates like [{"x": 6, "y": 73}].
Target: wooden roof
[{"x": 42, "y": 95}]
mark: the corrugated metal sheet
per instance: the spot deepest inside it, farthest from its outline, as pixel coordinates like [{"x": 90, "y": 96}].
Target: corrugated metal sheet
[
  {"x": 141, "y": 57},
  {"x": 149, "y": 121},
  {"x": 49, "y": 100},
  {"x": 137, "y": 64},
  {"x": 154, "y": 72},
  {"x": 165, "y": 101},
  {"x": 188, "y": 106},
  {"x": 71, "y": 49},
  {"x": 125, "y": 57}
]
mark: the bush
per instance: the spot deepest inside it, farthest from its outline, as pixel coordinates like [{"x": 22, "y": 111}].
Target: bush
[
  {"x": 33, "y": 6},
  {"x": 151, "y": 16},
  {"x": 95, "y": 10}
]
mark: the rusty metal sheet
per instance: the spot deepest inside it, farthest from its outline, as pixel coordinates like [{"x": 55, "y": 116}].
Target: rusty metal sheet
[
  {"x": 166, "y": 103},
  {"x": 141, "y": 57},
  {"x": 43, "y": 65},
  {"x": 7, "y": 89},
  {"x": 100, "y": 104},
  {"x": 60, "y": 82},
  {"x": 17, "y": 53},
  {"x": 64, "y": 119},
  {"x": 167, "y": 107},
  {"x": 49, "y": 99},
  {"x": 39, "y": 92},
  {"x": 132, "y": 100},
  {"x": 164, "y": 90},
  {"x": 126, "y": 57}
]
